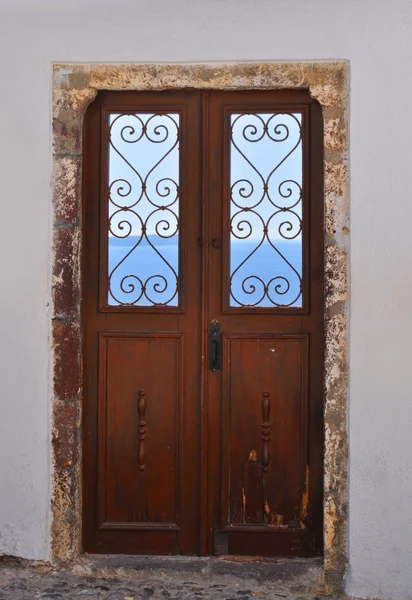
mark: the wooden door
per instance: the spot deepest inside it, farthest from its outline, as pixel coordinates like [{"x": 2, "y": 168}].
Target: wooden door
[
  {"x": 203, "y": 323},
  {"x": 141, "y": 316},
  {"x": 264, "y": 287}
]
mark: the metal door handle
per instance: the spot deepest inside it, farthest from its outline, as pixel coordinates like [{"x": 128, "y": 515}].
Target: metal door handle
[{"x": 214, "y": 346}]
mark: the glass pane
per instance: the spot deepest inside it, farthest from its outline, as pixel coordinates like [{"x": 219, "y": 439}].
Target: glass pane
[
  {"x": 266, "y": 209},
  {"x": 143, "y": 209}
]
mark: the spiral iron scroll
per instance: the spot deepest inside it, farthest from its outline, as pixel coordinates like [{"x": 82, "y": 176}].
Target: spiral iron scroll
[
  {"x": 143, "y": 208},
  {"x": 266, "y": 209}
]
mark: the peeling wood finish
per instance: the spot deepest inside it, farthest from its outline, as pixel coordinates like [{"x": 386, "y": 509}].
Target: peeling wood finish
[
  {"x": 74, "y": 87},
  {"x": 253, "y": 457},
  {"x": 305, "y": 500}
]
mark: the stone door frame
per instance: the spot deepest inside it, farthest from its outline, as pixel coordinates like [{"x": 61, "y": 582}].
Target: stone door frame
[{"x": 74, "y": 87}]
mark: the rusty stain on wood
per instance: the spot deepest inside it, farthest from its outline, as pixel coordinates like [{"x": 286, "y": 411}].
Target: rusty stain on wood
[
  {"x": 243, "y": 505},
  {"x": 279, "y": 521},
  {"x": 269, "y": 515},
  {"x": 273, "y": 519},
  {"x": 253, "y": 456},
  {"x": 305, "y": 501}
]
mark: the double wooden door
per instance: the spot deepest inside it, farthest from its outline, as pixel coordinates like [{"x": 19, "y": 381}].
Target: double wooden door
[{"x": 203, "y": 323}]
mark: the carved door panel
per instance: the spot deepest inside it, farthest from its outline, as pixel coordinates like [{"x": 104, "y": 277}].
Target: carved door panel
[{"x": 203, "y": 323}]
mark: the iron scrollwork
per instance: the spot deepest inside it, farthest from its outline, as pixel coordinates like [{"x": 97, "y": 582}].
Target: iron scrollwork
[
  {"x": 266, "y": 210},
  {"x": 143, "y": 209}
]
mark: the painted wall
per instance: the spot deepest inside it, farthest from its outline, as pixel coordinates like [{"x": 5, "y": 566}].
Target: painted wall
[{"x": 376, "y": 36}]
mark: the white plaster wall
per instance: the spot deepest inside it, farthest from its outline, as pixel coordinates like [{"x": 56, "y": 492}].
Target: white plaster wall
[{"x": 376, "y": 36}]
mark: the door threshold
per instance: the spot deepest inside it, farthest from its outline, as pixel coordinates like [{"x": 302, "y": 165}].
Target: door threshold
[{"x": 296, "y": 574}]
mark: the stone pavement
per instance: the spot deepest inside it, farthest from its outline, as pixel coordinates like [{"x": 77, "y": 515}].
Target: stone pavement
[{"x": 18, "y": 583}]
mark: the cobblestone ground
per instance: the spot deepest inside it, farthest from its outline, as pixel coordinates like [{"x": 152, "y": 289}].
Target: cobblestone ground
[{"x": 27, "y": 584}]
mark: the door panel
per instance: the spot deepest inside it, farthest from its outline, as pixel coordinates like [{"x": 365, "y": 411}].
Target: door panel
[
  {"x": 203, "y": 207},
  {"x": 264, "y": 406},
  {"x": 140, "y": 379}
]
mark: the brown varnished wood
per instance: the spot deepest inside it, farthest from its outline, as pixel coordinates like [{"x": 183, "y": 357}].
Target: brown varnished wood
[
  {"x": 255, "y": 363},
  {"x": 276, "y": 350},
  {"x": 288, "y": 542},
  {"x": 129, "y": 362},
  {"x": 172, "y": 451},
  {"x": 141, "y": 482}
]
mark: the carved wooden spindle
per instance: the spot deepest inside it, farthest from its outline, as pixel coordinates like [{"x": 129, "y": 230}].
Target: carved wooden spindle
[
  {"x": 265, "y": 430},
  {"x": 141, "y": 429}
]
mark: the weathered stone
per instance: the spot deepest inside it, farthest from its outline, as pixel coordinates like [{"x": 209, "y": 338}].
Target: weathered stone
[
  {"x": 70, "y": 102},
  {"x": 336, "y": 176},
  {"x": 66, "y": 272},
  {"x": 66, "y": 189},
  {"x": 334, "y": 132},
  {"x": 66, "y": 138},
  {"x": 335, "y": 503},
  {"x": 66, "y": 348},
  {"x": 336, "y": 285},
  {"x": 153, "y": 583},
  {"x": 66, "y": 444}
]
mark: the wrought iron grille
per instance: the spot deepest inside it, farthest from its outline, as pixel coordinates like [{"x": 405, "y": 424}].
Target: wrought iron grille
[
  {"x": 266, "y": 209},
  {"x": 143, "y": 228}
]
